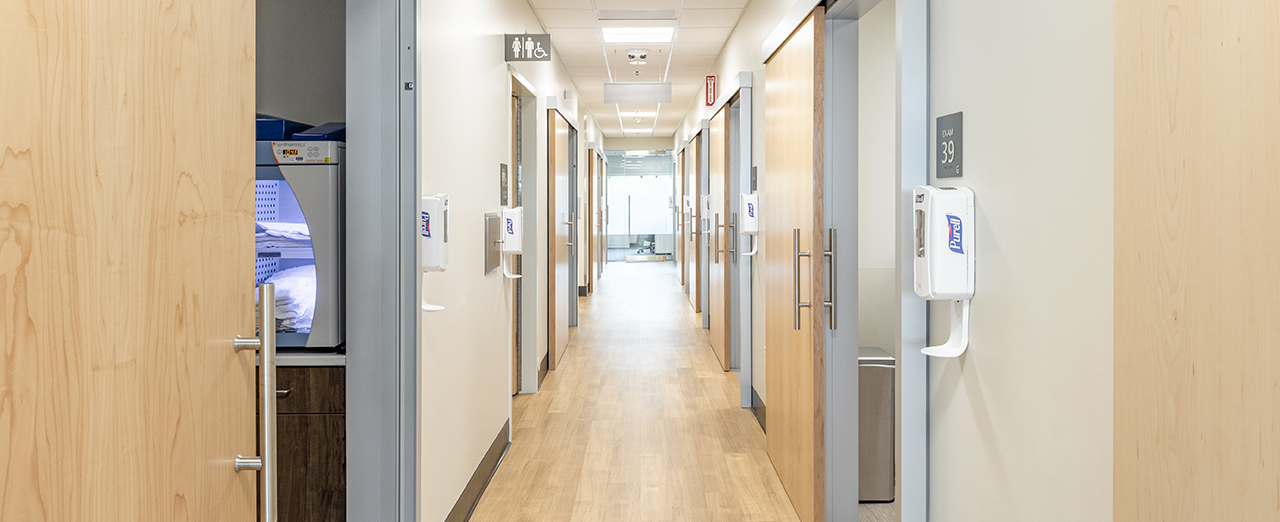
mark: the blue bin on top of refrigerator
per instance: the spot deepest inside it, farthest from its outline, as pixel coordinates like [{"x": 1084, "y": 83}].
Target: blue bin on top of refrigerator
[{"x": 299, "y": 230}]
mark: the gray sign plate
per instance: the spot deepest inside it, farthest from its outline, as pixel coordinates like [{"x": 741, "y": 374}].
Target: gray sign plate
[
  {"x": 527, "y": 47},
  {"x": 950, "y": 147}
]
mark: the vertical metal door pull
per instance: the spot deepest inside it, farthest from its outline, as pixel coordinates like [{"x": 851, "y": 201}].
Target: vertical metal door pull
[
  {"x": 795, "y": 241},
  {"x": 265, "y": 464},
  {"x": 716, "y": 234},
  {"x": 831, "y": 281}
]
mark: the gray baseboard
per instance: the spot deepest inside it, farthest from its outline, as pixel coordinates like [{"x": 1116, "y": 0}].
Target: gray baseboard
[
  {"x": 466, "y": 503},
  {"x": 543, "y": 369},
  {"x": 757, "y": 407}
]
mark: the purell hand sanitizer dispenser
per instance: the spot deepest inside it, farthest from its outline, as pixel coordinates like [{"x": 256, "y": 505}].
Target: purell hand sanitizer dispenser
[
  {"x": 749, "y": 209},
  {"x": 433, "y": 239},
  {"x": 512, "y": 237},
  {"x": 944, "y": 258}
]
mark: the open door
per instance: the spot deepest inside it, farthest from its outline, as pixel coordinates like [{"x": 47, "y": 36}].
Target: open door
[
  {"x": 682, "y": 217},
  {"x": 588, "y": 217},
  {"x": 600, "y": 246},
  {"x": 793, "y": 266},
  {"x": 718, "y": 273},
  {"x": 559, "y": 214},
  {"x": 126, "y": 262},
  {"x": 693, "y": 154}
]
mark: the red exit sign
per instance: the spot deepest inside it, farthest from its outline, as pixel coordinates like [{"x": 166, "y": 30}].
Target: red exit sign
[{"x": 711, "y": 91}]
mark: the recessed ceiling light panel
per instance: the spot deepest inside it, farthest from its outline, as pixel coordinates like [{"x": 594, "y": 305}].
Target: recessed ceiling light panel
[{"x": 619, "y": 35}]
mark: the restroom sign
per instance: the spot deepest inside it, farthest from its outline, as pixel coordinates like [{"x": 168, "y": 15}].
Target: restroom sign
[
  {"x": 528, "y": 48},
  {"x": 711, "y": 91}
]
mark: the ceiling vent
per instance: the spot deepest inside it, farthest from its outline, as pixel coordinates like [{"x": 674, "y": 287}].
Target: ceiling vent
[{"x": 637, "y": 14}]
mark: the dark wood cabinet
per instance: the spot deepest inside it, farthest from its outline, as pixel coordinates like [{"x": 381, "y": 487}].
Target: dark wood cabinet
[{"x": 311, "y": 440}]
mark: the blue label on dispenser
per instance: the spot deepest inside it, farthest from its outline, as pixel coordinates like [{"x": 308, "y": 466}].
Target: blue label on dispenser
[
  {"x": 511, "y": 227},
  {"x": 426, "y": 224},
  {"x": 955, "y": 239},
  {"x": 751, "y": 210}
]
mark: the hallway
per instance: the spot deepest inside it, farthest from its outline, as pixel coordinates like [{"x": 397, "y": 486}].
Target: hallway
[{"x": 638, "y": 423}]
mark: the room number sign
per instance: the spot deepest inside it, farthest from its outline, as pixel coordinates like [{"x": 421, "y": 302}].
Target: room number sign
[{"x": 950, "y": 148}]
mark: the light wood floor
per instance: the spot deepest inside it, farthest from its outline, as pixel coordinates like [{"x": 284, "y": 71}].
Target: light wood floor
[{"x": 639, "y": 422}]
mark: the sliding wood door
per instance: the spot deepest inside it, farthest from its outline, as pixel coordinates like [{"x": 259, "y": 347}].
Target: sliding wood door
[
  {"x": 791, "y": 197},
  {"x": 559, "y": 237},
  {"x": 1197, "y": 265},
  {"x": 126, "y": 260},
  {"x": 718, "y": 272},
  {"x": 682, "y": 216},
  {"x": 588, "y": 220},
  {"x": 602, "y": 249},
  {"x": 696, "y": 235}
]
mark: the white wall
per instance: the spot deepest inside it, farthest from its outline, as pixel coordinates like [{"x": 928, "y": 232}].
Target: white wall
[
  {"x": 1021, "y": 425},
  {"x": 742, "y": 53},
  {"x": 877, "y": 181},
  {"x": 464, "y": 92}
]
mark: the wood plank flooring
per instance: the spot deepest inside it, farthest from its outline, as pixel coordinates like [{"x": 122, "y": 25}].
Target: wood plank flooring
[{"x": 639, "y": 422}]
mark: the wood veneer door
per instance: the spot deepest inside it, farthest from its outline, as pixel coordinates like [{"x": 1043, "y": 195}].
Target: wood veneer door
[
  {"x": 560, "y": 241},
  {"x": 126, "y": 261},
  {"x": 718, "y": 273},
  {"x": 696, "y": 236},
  {"x": 1197, "y": 282},
  {"x": 682, "y": 228},
  {"x": 792, "y": 189},
  {"x": 601, "y": 245},
  {"x": 589, "y": 218}
]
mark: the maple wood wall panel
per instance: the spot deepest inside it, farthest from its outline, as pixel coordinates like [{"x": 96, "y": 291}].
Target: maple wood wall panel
[{"x": 1197, "y": 289}]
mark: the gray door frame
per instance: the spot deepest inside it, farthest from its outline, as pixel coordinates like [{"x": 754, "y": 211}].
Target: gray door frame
[{"x": 382, "y": 272}]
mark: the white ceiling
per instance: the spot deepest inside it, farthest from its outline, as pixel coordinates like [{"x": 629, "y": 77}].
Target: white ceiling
[{"x": 701, "y": 28}]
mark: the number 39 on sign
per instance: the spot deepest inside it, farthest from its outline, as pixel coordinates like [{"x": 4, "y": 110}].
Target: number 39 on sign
[{"x": 949, "y": 151}]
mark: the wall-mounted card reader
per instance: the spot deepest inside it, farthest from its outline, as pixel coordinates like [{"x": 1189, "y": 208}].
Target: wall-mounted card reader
[
  {"x": 944, "y": 257},
  {"x": 749, "y": 209},
  {"x": 433, "y": 238},
  {"x": 512, "y": 237}
]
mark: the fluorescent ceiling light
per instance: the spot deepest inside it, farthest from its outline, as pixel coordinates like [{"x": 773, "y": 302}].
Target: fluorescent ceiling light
[
  {"x": 615, "y": 35},
  {"x": 636, "y": 130},
  {"x": 639, "y": 114}
]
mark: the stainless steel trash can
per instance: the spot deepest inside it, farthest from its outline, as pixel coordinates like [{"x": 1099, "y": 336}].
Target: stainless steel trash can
[{"x": 875, "y": 425}]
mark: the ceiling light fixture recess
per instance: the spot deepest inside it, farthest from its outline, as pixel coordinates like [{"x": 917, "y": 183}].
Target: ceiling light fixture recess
[
  {"x": 638, "y": 114},
  {"x": 617, "y": 35}
]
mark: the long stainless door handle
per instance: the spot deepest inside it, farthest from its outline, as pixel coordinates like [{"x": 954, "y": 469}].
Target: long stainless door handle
[
  {"x": 266, "y": 345},
  {"x": 715, "y": 232},
  {"x": 831, "y": 282},
  {"x": 795, "y": 241}
]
